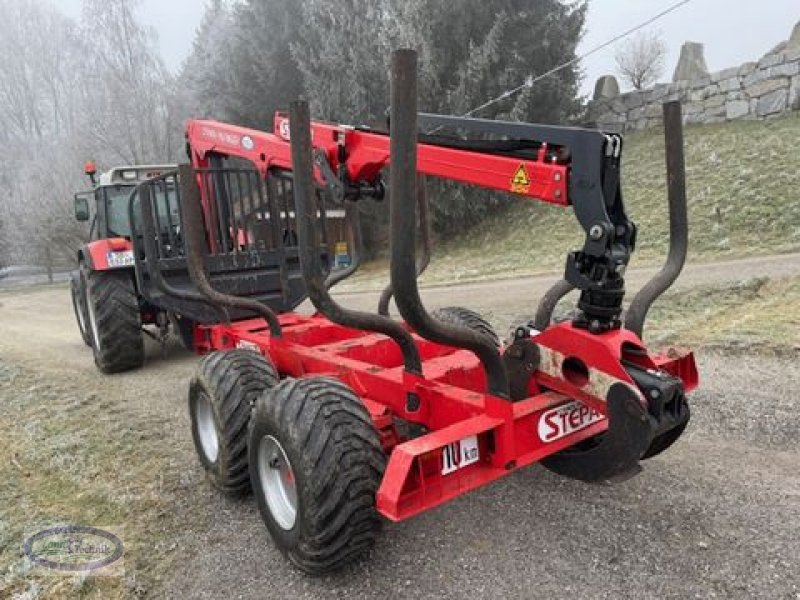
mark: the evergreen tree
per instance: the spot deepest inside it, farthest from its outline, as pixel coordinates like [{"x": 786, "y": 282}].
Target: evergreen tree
[
  {"x": 341, "y": 52},
  {"x": 206, "y": 82},
  {"x": 337, "y": 52},
  {"x": 474, "y": 50},
  {"x": 241, "y": 68},
  {"x": 265, "y": 71}
]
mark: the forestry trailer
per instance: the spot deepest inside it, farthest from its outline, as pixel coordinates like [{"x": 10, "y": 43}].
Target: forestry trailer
[
  {"x": 341, "y": 418},
  {"x": 110, "y": 311}
]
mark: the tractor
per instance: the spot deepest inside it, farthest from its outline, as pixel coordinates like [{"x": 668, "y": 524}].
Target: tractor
[
  {"x": 110, "y": 312},
  {"x": 339, "y": 419}
]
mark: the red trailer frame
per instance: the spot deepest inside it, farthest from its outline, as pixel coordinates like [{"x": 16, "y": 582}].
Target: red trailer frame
[
  {"x": 474, "y": 437},
  {"x": 427, "y": 471},
  {"x": 584, "y": 381}
]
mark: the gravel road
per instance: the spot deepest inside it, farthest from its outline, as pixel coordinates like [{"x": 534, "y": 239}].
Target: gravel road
[
  {"x": 716, "y": 516},
  {"x": 505, "y": 301}
]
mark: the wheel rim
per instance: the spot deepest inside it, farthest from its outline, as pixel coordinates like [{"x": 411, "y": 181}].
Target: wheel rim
[
  {"x": 92, "y": 319},
  {"x": 76, "y": 304},
  {"x": 81, "y": 320},
  {"x": 206, "y": 429},
  {"x": 277, "y": 482}
]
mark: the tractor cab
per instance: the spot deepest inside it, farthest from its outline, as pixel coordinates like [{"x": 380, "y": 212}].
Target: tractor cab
[{"x": 110, "y": 198}]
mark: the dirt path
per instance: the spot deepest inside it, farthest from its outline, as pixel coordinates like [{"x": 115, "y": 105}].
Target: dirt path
[
  {"x": 717, "y": 516},
  {"x": 510, "y": 296},
  {"x": 31, "y": 317}
]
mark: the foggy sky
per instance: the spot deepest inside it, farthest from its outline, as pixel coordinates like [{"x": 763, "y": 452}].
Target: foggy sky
[{"x": 733, "y": 31}]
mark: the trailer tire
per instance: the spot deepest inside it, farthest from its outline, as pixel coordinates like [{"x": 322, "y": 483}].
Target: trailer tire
[
  {"x": 222, "y": 392},
  {"x": 78, "y": 293},
  {"x": 469, "y": 319},
  {"x": 316, "y": 463},
  {"x": 114, "y": 320}
]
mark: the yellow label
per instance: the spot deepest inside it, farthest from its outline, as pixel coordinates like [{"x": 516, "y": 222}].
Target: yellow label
[
  {"x": 520, "y": 183},
  {"x": 340, "y": 248}
]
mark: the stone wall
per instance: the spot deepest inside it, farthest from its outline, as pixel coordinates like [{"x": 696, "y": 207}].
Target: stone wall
[{"x": 754, "y": 90}]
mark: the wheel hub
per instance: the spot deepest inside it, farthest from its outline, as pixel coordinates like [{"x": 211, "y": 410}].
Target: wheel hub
[
  {"x": 277, "y": 482},
  {"x": 206, "y": 430}
]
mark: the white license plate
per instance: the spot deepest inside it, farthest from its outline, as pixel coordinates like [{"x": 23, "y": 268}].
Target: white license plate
[
  {"x": 560, "y": 421},
  {"x": 460, "y": 454},
  {"x": 120, "y": 259}
]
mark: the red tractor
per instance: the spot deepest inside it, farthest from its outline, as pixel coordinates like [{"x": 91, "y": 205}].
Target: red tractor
[
  {"x": 110, "y": 311},
  {"x": 341, "y": 418}
]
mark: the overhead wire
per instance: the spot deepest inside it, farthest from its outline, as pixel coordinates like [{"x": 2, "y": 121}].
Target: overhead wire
[{"x": 531, "y": 80}]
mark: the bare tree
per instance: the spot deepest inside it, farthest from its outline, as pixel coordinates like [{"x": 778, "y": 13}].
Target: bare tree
[
  {"x": 70, "y": 92},
  {"x": 640, "y": 60},
  {"x": 128, "y": 92}
]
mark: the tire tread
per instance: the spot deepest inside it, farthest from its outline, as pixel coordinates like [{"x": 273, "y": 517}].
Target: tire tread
[
  {"x": 464, "y": 317},
  {"x": 342, "y": 462},
  {"x": 232, "y": 379},
  {"x": 119, "y": 324}
]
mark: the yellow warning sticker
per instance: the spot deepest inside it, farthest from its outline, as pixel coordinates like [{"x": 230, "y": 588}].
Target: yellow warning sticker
[{"x": 520, "y": 183}]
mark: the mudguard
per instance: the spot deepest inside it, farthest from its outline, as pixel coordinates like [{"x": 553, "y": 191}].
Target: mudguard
[{"x": 100, "y": 255}]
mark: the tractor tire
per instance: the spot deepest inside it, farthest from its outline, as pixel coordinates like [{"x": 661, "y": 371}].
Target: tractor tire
[
  {"x": 316, "y": 463},
  {"x": 221, "y": 396},
  {"x": 469, "y": 319},
  {"x": 114, "y": 321},
  {"x": 78, "y": 293}
]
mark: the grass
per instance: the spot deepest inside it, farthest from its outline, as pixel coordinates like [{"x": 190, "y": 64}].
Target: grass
[
  {"x": 755, "y": 316},
  {"x": 742, "y": 187},
  {"x": 759, "y": 316},
  {"x": 72, "y": 458}
]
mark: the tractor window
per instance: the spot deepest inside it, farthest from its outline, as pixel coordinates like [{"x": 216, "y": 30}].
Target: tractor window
[
  {"x": 117, "y": 198},
  {"x": 117, "y": 221}
]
